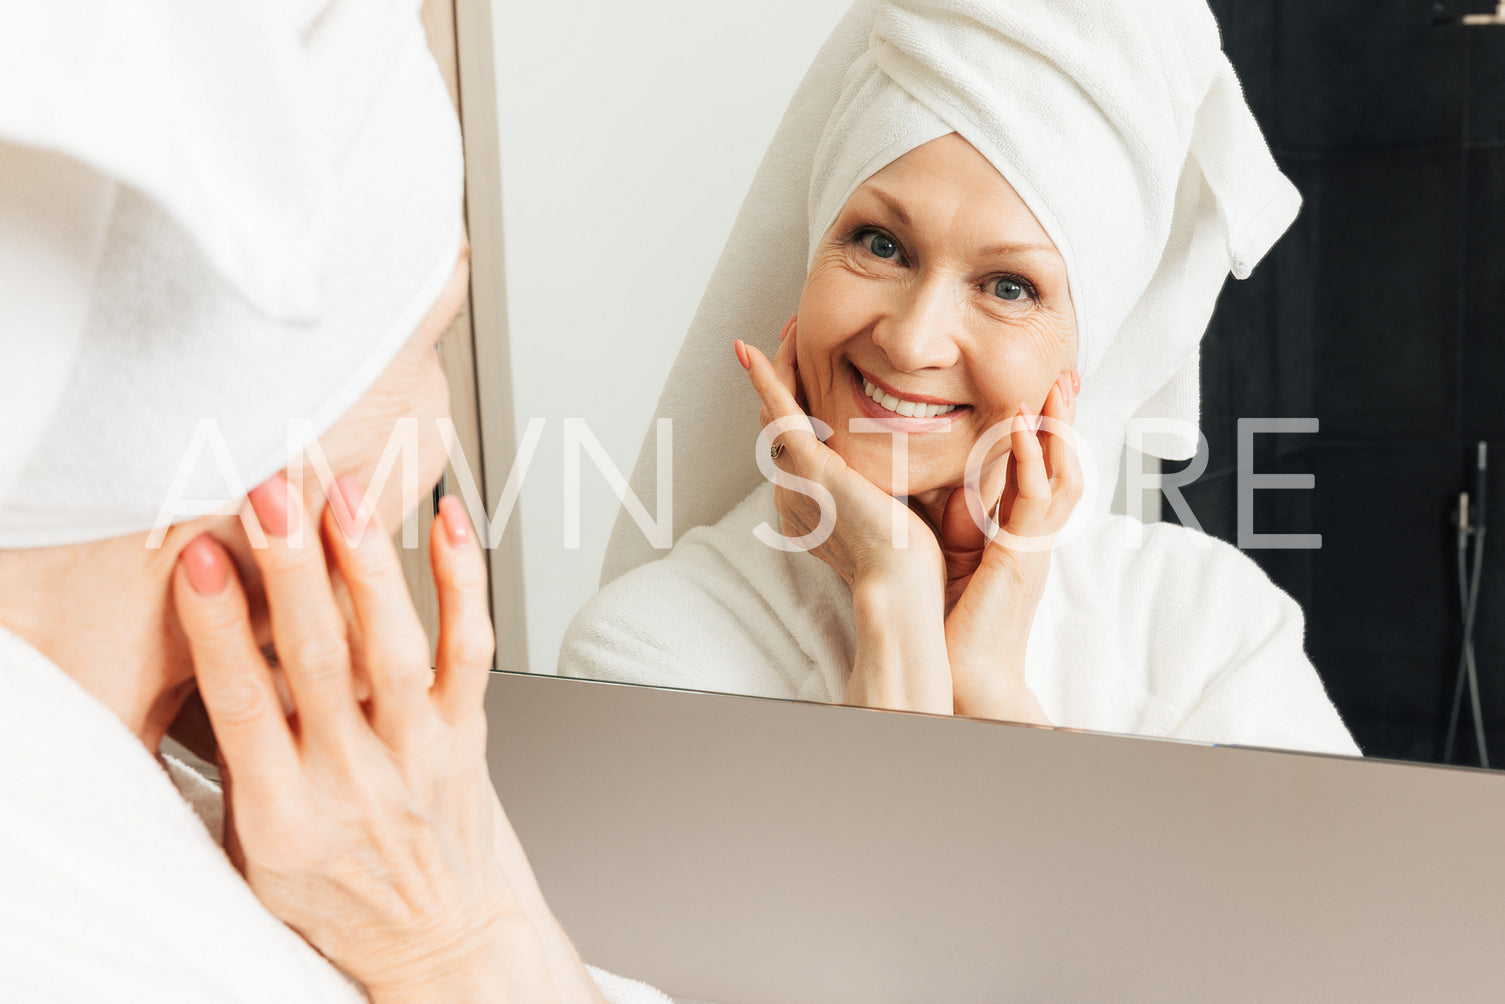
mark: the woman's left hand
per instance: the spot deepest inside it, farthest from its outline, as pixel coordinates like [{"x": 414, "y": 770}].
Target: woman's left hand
[
  {"x": 993, "y": 588},
  {"x": 370, "y": 827}
]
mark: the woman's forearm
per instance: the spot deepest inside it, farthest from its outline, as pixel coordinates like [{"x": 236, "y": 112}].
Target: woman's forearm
[{"x": 901, "y": 658}]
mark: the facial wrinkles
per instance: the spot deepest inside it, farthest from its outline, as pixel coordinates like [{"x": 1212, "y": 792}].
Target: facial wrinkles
[{"x": 948, "y": 211}]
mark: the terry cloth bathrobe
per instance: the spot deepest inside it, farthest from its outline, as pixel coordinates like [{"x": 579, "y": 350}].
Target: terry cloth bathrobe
[
  {"x": 233, "y": 210},
  {"x": 1180, "y": 636},
  {"x": 1121, "y": 124},
  {"x": 113, "y": 883}
]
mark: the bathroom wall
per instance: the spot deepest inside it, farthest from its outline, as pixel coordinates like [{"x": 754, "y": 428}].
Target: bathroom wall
[
  {"x": 1382, "y": 314},
  {"x": 629, "y": 135}
]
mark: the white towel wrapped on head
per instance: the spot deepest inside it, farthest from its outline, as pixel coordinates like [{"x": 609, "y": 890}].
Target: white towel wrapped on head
[
  {"x": 232, "y": 211},
  {"x": 1121, "y": 125}
]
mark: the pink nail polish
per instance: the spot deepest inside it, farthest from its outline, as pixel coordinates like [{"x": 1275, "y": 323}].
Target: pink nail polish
[
  {"x": 1031, "y": 420},
  {"x": 456, "y": 526},
  {"x": 351, "y": 496},
  {"x": 1076, "y": 381},
  {"x": 273, "y": 503},
  {"x": 205, "y": 565},
  {"x": 741, "y": 351}
]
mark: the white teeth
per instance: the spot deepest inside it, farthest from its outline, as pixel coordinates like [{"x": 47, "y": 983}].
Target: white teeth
[{"x": 908, "y": 409}]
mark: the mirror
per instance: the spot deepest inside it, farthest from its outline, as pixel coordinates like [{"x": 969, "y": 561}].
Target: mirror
[{"x": 629, "y": 137}]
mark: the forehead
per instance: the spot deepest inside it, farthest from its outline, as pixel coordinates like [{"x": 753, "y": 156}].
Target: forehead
[{"x": 947, "y": 182}]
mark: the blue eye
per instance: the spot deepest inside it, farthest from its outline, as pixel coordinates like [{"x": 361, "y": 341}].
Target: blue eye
[
  {"x": 880, "y": 244},
  {"x": 1009, "y": 289}
]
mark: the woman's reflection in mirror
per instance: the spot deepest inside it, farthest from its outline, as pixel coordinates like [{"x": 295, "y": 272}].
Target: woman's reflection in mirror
[{"x": 996, "y": 237}]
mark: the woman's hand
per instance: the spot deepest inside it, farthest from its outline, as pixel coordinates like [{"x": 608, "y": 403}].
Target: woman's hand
[
  {"x": 993, "y": 588},
  {"x": 898, "y": 592},
  {"x": 371, "y": 828}
]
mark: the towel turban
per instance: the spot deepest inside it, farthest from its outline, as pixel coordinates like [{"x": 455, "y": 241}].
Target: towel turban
[
  {"x": 1120, "y": 123},
  {"x": 234, "y": 211}
]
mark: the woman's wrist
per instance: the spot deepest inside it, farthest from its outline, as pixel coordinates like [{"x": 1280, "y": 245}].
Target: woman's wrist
[
  {"x": 1006, "y": 698},
  {"x": 901, "y": 644},
  {"x": 515, "y": 962}
]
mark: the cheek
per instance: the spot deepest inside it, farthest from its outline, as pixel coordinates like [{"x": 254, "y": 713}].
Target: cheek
[
  {"x": 399, "y": 419},
  {"x": 427, "y": 402},
  {"x": 831, "y": 313},
  {"x": 1010, "y": 371}
]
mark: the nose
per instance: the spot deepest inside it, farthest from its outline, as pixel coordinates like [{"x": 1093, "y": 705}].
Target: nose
[{"x": 920, "y": 329}]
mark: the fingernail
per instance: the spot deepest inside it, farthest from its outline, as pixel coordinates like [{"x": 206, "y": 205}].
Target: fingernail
[
  {"x": 784, "y": 334},
  {"x": 1031, "y": 420},
  {"x": 351, "y": 494},
  {"x": 272, "y": 501},
  {"x": 1076, "y": 380},
  {"x": 456, "y": 526},
  {"x": 205, "y": 565},
  {"x": 742, "y": 354},
  {"x": 1063, "y": 383}
]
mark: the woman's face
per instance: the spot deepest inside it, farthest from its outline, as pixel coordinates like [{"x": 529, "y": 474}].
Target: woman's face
[
  {"x": 936, "y": 305},
  {"x": 413, "y": 386}
]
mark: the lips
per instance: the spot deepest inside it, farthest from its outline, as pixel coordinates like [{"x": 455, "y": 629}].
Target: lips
[
  {"x": 912, "y": 413},
  {"x": 902, "y": 405}
]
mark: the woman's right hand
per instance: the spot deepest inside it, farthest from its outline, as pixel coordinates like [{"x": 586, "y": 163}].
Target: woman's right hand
[
  {"x": 898, "y": 592},
  {"x": 371, "y": 828}
]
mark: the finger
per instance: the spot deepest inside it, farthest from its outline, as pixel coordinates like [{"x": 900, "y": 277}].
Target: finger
[
  {"x": 784, "y": 371},
  {"x": 963, "y": 541},
  {"x": 959, "y": 531},
  {"x": 1053, "y": 434},
  {"x": 234, "y": 681},
  {"x": 779, "y": 402},
  {"x": 1062, "y": 462},
  {"x": 785, "y": 367},
  {"x": 395, "y": 647},
  {"x": 308, "y": 629},
  {"x": 467, "y": 641},
  {"x": 1031, "y": 495}
]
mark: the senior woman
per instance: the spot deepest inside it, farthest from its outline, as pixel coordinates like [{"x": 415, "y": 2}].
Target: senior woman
[
  {"x": 221, "y": 220},
  {"x": 987, "y": 236}
]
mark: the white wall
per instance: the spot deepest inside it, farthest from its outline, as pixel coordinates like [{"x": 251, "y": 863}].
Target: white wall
[{"x": 629, "y": 135}]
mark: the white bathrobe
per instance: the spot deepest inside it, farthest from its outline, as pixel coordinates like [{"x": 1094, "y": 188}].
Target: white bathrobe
[
  {"x": 113, "y": 883},
  {"x": 1182, "y": 637}
]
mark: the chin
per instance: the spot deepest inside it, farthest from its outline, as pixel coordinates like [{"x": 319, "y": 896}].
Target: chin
[{"x": 878, "y": 469}]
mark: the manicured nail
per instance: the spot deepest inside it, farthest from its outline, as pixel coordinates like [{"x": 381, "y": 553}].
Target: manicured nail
[
  {"x": 272, "y": 501},
  {"x": 1031, "y": 420},
  {"x": 1063, "y": 384},
  {"x": 351, "y": 494},
  {"x": 1076, "y": 380},
  {"x": 742, "y": 354},
  {"x": 205, "y": 564},
  {"x": 456, "y": 525}
]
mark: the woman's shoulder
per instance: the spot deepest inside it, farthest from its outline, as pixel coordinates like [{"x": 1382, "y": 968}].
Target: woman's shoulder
[
  {"x": 1173, "y": 593},
  {"x": 1216, "y": 646},
  {"x": 720, "y": 611},
  {"x": 1172, "y": 561}
]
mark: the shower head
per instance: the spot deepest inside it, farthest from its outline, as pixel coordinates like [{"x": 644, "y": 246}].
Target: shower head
[
  {"x": 1498, "y": 17},
  {"x": 1443, "y": 19}
]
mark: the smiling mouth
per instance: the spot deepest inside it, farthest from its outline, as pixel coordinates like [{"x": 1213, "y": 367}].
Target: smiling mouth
[{"x": 902, "y": 407}]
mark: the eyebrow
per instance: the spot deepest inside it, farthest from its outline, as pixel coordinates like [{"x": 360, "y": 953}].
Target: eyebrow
[
  {"x": 894, "y": 205},
  {"x": 991, "y": 251}
]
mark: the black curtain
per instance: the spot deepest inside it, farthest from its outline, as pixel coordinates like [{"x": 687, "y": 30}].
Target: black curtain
[{"x": 1382, "y": 314}]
